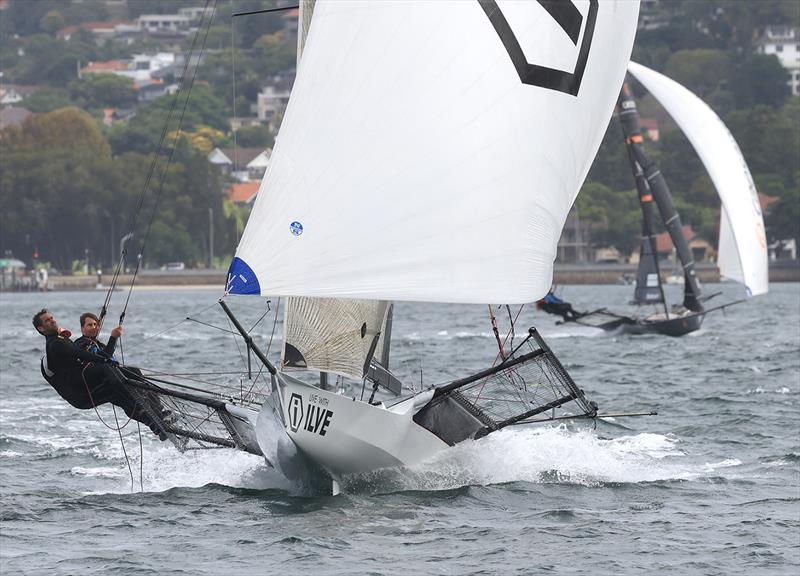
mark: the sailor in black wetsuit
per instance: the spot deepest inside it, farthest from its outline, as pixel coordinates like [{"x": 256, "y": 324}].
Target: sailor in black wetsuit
[
  {"x": 83, "y": 378},
  {"x": 90, "y": 329},
  {"x": 552, "y": 304}
]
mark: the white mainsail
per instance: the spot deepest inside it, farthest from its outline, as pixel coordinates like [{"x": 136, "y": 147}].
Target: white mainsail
[
  {"x": 432, "y": 150},
  {"x": 742, "y": 241},
  {"x": 331, "y": 334}
]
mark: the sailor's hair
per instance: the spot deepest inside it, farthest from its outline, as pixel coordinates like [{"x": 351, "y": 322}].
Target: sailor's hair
[
  {"x": 86, "y": 315},
  {"x": 37, "y": 318}
]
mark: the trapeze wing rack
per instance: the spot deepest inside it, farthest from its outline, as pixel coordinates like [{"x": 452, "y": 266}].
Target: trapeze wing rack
[
  {"x": 530, "y": 381},
  {"x": 193, "y": 421}
]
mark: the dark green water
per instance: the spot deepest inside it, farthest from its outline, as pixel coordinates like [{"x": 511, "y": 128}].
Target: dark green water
[{"x": 709, "y": 486}]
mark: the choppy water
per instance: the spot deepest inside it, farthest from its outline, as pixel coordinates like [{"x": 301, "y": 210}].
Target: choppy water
[{"x": 709, "y": 486}]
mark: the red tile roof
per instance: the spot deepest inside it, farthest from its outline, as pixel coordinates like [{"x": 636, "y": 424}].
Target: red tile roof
[
  {"x": 766, "y": 201},
  {"x": 664, "y": 242},
  {"x": 648, "y": 123},
  {"x": 70, "y": 30},
  {"x": 242, "y": 193},
  {"x": 110, "y": 66}
]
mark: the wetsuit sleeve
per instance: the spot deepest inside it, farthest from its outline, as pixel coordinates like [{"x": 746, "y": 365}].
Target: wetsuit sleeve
[
  {"x": 112, "y": 344},
  {"x": 66, "y": 351}
]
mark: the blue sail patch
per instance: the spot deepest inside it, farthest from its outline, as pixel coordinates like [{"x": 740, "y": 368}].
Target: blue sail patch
[{"x": 242, "y": 279}]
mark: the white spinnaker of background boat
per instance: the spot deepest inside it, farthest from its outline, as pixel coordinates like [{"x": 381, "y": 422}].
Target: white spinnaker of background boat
[
  {"x": 742, "y": 241},
  {"x": 414, "y": 164}
]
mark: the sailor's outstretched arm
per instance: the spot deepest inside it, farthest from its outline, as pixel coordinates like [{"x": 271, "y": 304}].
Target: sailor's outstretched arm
[{"x": 112, "y": 340}]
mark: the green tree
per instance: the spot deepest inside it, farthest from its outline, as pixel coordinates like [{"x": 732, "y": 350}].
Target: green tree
[
  {"x": 51, "y": 22},
  {"x": 783, "y": 219},
  {"x": 254, "y": 136},
  {"x": 615, "y": 216},
  {"x": 52, "y": 181},
  {"x": 47, "y": 100},
  {"x": 761, "y": 79},
  {"x": 769, "y": 139},
  {"x": 50, "y": 61},
  {"x": 143, "y": 132},
  {"x": 103, "y": 90},
  {"x": 701, "y": 70}
]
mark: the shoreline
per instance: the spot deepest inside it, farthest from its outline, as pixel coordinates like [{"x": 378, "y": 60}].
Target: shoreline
[{"x": 563, "y": 274}]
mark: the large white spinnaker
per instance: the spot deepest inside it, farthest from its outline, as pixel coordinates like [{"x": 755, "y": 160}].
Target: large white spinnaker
[
  {"x": 742, "y": 241},
  {"x": 432, "y": 150},
  {"x": 331, "y": 335}
]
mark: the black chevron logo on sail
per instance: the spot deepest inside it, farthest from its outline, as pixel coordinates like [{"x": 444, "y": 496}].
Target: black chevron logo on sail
[{"x": 569, "y": 19}]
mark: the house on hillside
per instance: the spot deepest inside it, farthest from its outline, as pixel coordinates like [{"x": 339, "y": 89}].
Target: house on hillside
[
  {"x": 14, "y": 93},
  {"x": 124, "y": 31},
  {"x": 649, "y": 128},
  {"x": 107, "y": 67},
  {"x": 153, "y": 23},
  {"x": 574, "y": 244},
  {"x": 702, "y": 250},
  {"x": 244, "y": 164},
  {"x": 112, "y": 115},
  {"x": 240, "y": 122},
  {"x": 779, "y": 249},
  {"x": 273, "y": 99},
  {"x": 783, "y": 42},
  {"x": 243, "y": 193},
  {"x": 150, "y": 73},
  {"x": 195, "y": 13}
]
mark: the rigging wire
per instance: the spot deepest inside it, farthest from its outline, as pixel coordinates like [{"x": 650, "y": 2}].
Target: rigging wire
[
  {"x": 188, "y": 318},
  {"x": 141, "y": 458},
  {"x": 151, "y": 171},
  {"x": 122, "y": 443},
  {"x": 260, "y": 319},
  {"x": 212, "y": 326},
  {"x": 166, "y": 169},
  {"x": 233, "y": 88}
]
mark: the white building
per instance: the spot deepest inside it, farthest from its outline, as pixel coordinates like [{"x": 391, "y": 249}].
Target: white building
[
  {"x": 12, "y": 93},
  {"x": 196, "y": 12},
  {"x": 243, "y": 164},
  {"x": 164, "y": 22},
  {"x": 784, "y": 42},
  {"x": 273, "y": 99}
]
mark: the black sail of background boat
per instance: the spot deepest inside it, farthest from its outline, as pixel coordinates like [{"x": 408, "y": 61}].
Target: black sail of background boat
[{"x": 742, "y": 244}]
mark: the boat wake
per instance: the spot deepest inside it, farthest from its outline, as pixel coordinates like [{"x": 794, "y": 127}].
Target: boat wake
[
  {"x": 543, "y": 456},
  {"x": 165, "y": 469},
  {"x": 553, "y": 455}
]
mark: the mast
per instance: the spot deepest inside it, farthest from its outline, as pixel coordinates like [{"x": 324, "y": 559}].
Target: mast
[
  {"x": 306, "y": 8},
  {"x": 629, "y": 118},
  {"x": 649, "y": 289}
]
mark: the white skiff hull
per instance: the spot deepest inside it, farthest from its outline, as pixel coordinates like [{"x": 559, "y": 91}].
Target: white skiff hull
[{"x": 346, "y": 436}]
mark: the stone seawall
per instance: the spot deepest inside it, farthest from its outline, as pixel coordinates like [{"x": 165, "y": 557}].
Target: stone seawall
[{"x": 780, "y": 271}]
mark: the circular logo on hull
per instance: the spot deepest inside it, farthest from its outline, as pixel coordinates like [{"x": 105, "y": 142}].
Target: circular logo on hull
[{"x": 296, "y": 228}]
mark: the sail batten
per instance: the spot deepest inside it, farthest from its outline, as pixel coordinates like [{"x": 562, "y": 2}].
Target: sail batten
[
  {"x": 331, "y": 335},
  {"x": 413, "y": 162}
]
